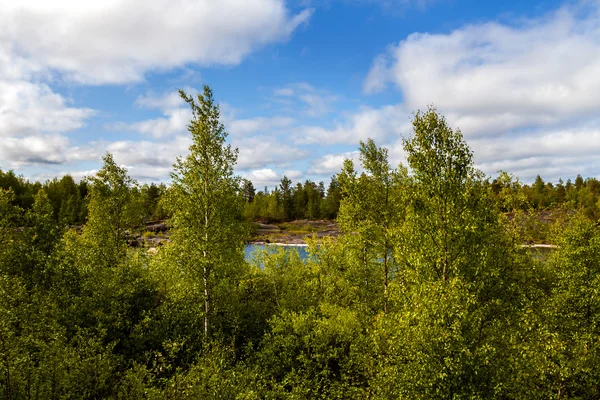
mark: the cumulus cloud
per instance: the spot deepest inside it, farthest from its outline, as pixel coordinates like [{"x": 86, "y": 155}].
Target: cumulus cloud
[
  {"x": 550, "y": 153},
  {"x": 41, "y": 150},
  {"x": 177, "y": 115},
  {"x": 30, "y": 108},
  {"x": 174, "y": 122},
  {"x": 77, "y": 175},
  {"x": 260, "y": 151},
  {"x": 380, "y": 124},
  {"x": 33, "y": 119},
  {"x": 293, "y": 174},
  {"x": 525, "y": 94},
  {"x": 495, "y": 77},
  {"x": 270, "y": 177},
  {"x": 118, "y": 41},
  {"x": 331, "y": 164},
  {"x": 149, "y": 154},
  {"x": 262, "y": 177},
  {"x": 164, "y": 102}
]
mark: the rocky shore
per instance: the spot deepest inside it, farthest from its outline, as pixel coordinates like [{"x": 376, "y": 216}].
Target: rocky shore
[{"x": 295, "y": 232}]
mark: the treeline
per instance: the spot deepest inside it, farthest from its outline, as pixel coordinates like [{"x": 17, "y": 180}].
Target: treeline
[
  {"x": 427, "y": 294},
  {"x": 288, "y": 202},
  {"x": 68, "y": 199},
  {"x": 583, "y": 194}
]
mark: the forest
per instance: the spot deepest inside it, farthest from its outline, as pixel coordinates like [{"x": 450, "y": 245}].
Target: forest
[{"x": 428, "y": 293}]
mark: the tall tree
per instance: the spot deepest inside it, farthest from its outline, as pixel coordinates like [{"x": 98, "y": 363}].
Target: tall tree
[
  {"x": 287, "y": 198},
  {"x": 206, "y": 203},
  {"x": 567, "y": 349},
  {"x": 456, "y": 296},
  {"x": 442, "y": 169},
  {"x": 114, "y": 207},
  {"x": 371, "y": 210},
  {"x": 249, "y": 191},
  {"x": 331, "y": 204}
]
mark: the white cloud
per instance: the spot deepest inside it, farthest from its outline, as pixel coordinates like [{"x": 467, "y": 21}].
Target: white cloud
[
  {"x": 378, "y": 124},
  {"x": 146, "y": 174},
  {"x": 260, "y": 151},
  {"x": 33, "y": 119},
  {"x": 270, "y": 177},
  {"x": 293, "y": 174},
  {"x": 492, "y": 77},
  {"x": 380, "y": 74},
  {"x": 265, "y": 174},
  {"x": 551, "y": 154},
  {"x": 77, "y": 175},
  {"x": 254, "y": 137},
  {"x": 48, "y": 149},
  {"x": 164, "y": 102},
  {"x": 265, "y": 177},
  {"x": 177, "y": 115},
  {"x": 149, "y": 154},
  {"x": 317, "y": 104},
  {"x": 30, "y": 108},
  {"x": 331, "y": 164},
  {"x": 286, "y": 92},
  {"x": 40, "y": 150},
  {"x": 174, "y": 123},
  {"x": 115, "y": 42},
  {"x": 118, "y": 41},
  {"x": 524, "y": 95}
]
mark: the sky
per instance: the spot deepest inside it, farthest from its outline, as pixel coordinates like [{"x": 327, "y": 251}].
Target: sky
[{"x": 299, "y": 82}]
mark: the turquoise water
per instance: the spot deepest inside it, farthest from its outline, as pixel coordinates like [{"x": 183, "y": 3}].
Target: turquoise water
[{"x": 250, "y": 248}]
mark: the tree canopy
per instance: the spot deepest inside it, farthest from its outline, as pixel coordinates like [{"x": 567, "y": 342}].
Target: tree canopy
[{"x": 430, "y": 291}]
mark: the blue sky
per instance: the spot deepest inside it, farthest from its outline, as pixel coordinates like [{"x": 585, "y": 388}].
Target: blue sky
[{"x": 299, "y": 82}]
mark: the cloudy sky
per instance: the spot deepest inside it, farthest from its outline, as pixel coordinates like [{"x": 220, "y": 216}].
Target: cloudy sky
[{"x": 299, "y": 82}]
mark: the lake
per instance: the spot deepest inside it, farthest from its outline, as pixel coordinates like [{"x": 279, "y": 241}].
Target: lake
[{"x": 250, "y": 248}]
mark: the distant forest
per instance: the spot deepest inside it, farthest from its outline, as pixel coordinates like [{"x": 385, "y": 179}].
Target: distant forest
[
  {"x": 429, "y": 292},
  {"x": 308, "y": 200}
]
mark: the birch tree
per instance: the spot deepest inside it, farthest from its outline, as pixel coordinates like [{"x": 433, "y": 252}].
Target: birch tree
[
  {"x": 206, "y": 204},
  {"x": 370, "y": 211}
]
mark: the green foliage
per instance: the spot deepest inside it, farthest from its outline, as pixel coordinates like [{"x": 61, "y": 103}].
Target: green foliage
[
  {"x": 572, "y": 314},
  {"x": 288, "y": 202},
  {"x": 372, "y": 207},
  {"x": 205, "y": 202},
  {"x": 427, "y": 294},
  {"x": 114, "y": 207},
  {"x": 23, "y": 190},
  {"x": 315, "y": 354},
  {"x": 151, "y": 195},
  {"x": 38, "y": 360}
]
